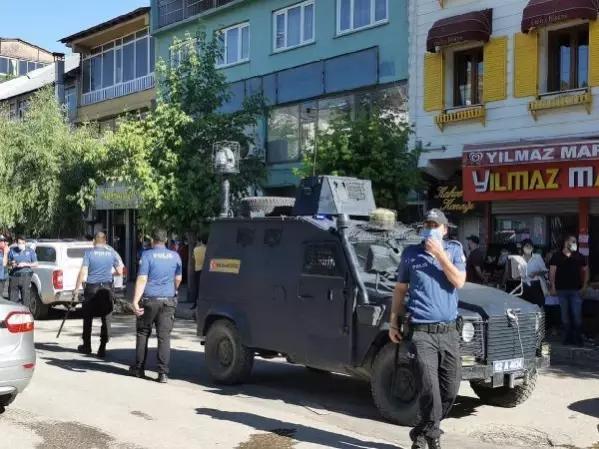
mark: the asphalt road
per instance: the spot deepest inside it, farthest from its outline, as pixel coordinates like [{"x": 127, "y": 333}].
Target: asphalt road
[{"x": 78, "y": 402}]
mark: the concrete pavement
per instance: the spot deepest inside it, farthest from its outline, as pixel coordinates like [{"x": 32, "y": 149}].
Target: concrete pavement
[{"x": 83, "y": 402}]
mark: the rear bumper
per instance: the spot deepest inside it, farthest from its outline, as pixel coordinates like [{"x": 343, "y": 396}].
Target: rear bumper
[
  {"x": 485, "y": 372},
  {"x": 15, "y": 378},
  {"x": 66, "y": 296}
]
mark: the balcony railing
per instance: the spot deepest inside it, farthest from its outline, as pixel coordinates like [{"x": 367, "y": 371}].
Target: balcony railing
[
  {"x": 118, "y": 90},
  {"x": 173, "y": 11}
]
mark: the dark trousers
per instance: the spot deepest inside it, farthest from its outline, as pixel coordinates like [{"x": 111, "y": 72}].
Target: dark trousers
[
  {"x": 439, "y": 369},
  {"x": 2, "y": 285},
  {"x": 159, "y": 313},
  {"x": 97, "y": 302},
  {"x": 533, "y": 293},
  {"x": 196, "y": 292},
  {"x": 22, "y": 285}
]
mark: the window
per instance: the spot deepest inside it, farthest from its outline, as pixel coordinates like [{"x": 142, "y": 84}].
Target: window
[
  {"x": 235, "y": 45},
  {"x": 468, "y": 77},
  {"x": 294, "y": 26},
  {"x": 117, "y": 62},
  {"x": 22, "y": 107},
  {"x": 356, "y": 14},
  {"x": 45, "y": 254},
  {"x": 179, "y": 52},
  {"x": 321, "y": 259},
  {"x": 568, "y": 59},
  {"x": 77, "y": 253},
  {"x": 516, "y": 228}
]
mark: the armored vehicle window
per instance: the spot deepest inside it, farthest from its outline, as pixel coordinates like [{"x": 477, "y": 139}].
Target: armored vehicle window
[
  {"x": 272, "y": 237},
  {"x": 245, "y": 236},
  {"x": 322, "y": 259}
]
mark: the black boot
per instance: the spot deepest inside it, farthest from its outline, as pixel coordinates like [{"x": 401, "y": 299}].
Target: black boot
[
  {"x": 418, "y": 441},
  {"x": 102, "y": 350},
  {"x": 85, "y": 348},
  {"x": 162, "y": 378},
  {"x": 137, "y": 372},
  {"x": 433, "y": 443}
]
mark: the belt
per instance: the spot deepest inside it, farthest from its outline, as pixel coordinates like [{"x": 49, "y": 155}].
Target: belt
[
  {"x": 435, "y": 328},
  {"x": 100, "y": 284},
  {"x": 158, "y": 298},
  {"x": 19, "y": 274}
]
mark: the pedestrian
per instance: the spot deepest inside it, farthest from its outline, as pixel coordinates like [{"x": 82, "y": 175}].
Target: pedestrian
[
  {"x": 535, "y": 270},
  {"x": 569, "y": 277},
  {"x": 199, "y": 254},
  {"x": 21, "y": 260},
  {"x": 184, "y": 255},
  {"x": 4, "y": 270},
  {"x": 98, "y": 293},
  {"x": 155, "y": 302},
  {"x": 430, "y": 274},
  {"x": 475, "y": 261}
]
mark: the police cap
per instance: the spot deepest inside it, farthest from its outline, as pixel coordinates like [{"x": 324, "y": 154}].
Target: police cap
[{"x": 436, "y": 216}]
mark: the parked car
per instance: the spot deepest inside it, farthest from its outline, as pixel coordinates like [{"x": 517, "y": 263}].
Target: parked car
[
  {"x": 54, "y": 280},
  {"x": 17, "y": 352}
]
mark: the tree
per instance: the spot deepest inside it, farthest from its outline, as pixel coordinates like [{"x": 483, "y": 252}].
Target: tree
[
  {"x": 372, "y": 145},
  {"x": 41, "y": 169},
  {"x": 167, "y": 157}
]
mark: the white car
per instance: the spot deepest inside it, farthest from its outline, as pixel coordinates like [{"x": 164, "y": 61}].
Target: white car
[{"x": 53, "y": 281}]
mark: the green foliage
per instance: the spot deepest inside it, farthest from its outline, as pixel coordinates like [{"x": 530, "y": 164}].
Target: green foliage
[
  {"x": 41, "y": 169},
  {"x": 372, "y": 145},
  {"x": 167, "y": 158}
]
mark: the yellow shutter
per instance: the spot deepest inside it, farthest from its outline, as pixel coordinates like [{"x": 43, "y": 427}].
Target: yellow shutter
[
  {"x": 526, "y": 65},
  {"x": 594, "y": 53},
  {"x": 495, "y": 70},
  {"x": 434, "y": 82}
]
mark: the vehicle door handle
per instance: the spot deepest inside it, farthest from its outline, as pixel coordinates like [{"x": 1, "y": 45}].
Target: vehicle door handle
[{"x": 330, "y": 295}]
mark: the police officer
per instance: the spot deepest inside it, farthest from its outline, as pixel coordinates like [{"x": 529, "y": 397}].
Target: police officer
[
  {"x": 21, "y": 261},
  {"x": 430, "y": 273},
  {"x": 155, "y": 301},
  {"x": 98, "y": 294},
  {"x": 3, "y": 269}
]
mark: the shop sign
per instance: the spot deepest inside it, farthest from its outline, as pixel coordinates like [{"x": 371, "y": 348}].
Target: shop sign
[
  {"x": 450, "y": 199},
  {"x": 532, "y": 181},
  {"x": 534, "y": 153},
  {"x": 116, "y": 196}
]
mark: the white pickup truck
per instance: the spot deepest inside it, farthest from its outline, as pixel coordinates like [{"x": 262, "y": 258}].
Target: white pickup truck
[{"x": 54, "y": 280}]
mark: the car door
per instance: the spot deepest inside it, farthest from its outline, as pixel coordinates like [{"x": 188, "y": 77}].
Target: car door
[{"x": 324, "y": 305}]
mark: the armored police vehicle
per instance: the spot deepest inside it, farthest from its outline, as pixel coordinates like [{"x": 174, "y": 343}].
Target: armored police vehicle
[{"x": 313, "y": 282}]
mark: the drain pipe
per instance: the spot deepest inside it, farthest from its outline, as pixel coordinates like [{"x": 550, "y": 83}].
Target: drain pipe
[{"x": 59, "y": 77}]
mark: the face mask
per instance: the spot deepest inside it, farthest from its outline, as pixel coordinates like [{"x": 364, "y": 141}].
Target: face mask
[
  {"x": 528, "y": 251},
  {"x": 573, "y": 246},
  {"x": 433, "y": 233},
  {"x": 21, "y": 247}
]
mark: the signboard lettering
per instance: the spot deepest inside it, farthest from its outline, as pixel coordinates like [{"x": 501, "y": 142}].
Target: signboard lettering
[{"x": 451, "y": 200}]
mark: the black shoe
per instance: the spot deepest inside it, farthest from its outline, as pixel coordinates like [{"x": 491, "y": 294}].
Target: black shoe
[
  {"x": 84, "y": 349},
  {"x": 162, "y": 378},
  {"x": 102, "y": 350},
  {"x": 418, "y": 442},
  {"x": 136, "y": 372},
  {"x": 433, "y": 443}
]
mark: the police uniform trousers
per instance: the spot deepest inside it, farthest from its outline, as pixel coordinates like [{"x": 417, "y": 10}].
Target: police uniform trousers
[
  {"x": 438, "y": 370},
  {"x": 19, "y": 283},
  {"x": 158, "y": 312},
  {"x": 98, "y": 301}
]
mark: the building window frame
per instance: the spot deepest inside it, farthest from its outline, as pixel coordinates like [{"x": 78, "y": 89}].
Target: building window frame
[
  {"x": 15, "y": 64},
  {"x": 554, "y": 73},
  {"x": 352, "y": 28},
  {"x": 460, "y": 72},
  {"x": 117, "y": 47},
  {"x": 284, "y": 13},
  {"x": 223, "y": 33},
  {"x": 178, "y": 52}
]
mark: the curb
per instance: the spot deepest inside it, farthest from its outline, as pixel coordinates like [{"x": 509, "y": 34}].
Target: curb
[{"x": 588, "y": 357}]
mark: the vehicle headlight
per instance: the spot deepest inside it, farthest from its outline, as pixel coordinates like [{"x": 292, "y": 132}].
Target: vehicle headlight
[{"x": 468, "y": 332}]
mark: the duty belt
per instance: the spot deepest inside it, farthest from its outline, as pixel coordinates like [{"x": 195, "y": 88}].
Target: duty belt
[
  {"x": 158, "y": 298},
  {"x": 435, "y": 328}
]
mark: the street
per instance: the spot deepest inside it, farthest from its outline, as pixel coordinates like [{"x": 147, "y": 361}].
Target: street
[{"x": 86, "y": 403}]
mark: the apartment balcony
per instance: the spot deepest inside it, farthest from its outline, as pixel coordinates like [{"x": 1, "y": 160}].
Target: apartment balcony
[
  {"x": 118, "y": 90},
  {"x": 173, "y": 11}
]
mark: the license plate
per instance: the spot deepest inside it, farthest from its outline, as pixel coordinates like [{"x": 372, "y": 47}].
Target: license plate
[{"x": 502, "y": 366}]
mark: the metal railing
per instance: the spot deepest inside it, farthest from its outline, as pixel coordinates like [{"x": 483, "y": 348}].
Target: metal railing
[
  {"x": 173, "y": 11},
  {"x": 118, "y": 90}
]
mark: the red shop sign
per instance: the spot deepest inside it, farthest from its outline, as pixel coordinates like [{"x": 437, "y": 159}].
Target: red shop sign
[{"x": 532, "y": 181}]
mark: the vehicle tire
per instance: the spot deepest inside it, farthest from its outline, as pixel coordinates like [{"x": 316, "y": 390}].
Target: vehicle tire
[
  {"x": 266, "y": 204},
  {"x": 228, "y": 360},
  {"x": 7, "y": 399},
  {"x": 400, "y": 404},
  {"x": 504, "y": 396},
  {"x": 38, "y": 309}
]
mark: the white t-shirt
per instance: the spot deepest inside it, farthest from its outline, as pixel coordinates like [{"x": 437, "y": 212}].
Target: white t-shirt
[{"x": 536, "y": 264}]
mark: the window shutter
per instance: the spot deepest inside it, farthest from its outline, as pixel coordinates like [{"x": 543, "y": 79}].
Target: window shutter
[
  {"x": 434, "y": 80},
  {"x": 594, "y": 53},
  {"x": 526, "y": 64},
  {"x": 495, "y": 70}
]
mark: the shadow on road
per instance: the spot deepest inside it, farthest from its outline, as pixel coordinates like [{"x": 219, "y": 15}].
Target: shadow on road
[
  {"x": 300, "y": 433},
  {"x": 577, "y": 371},
  {"x": 588, "y": 407},
  {"x": 292, "y": 384}
]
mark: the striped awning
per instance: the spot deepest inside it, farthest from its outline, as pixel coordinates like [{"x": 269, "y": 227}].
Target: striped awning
[
  {"x": 472, "y": 26},
  {"x": 539, "y": 13}
]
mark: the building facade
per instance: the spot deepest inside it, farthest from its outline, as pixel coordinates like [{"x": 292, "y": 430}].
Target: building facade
[
  {"x": 18, "y": 57},
  {"x": 503, "y": 96},
  {"x": 116, "y": 78},
  {"x": 310, "y": 59}
]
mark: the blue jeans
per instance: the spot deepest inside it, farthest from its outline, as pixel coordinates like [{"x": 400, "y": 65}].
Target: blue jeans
[{"x": 571, "y": 304}]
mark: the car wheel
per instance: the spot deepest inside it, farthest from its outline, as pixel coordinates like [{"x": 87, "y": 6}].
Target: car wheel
[
  {"x": 228, "y": 360},
  {"x": 396, "y": 400},
  {"x": 38, "y": 309},
  {"x": 7, "y": 399},
  {"x": 504, "y": 396}
]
